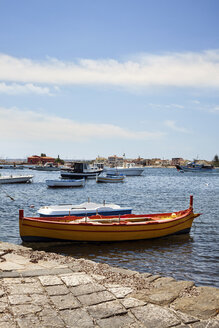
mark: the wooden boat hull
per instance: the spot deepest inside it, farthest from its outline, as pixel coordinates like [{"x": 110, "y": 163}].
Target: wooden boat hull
[{"x": 107, "y": 229}]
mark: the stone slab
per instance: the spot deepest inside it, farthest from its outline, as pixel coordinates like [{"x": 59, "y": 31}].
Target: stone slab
[
  {"x": 120, "y": 292},
  {"x": 50, "y": 280},
  {"x": 63, "y": 302},
  {"x": 57, "y": 290},
  {"x": 28, "y": 321},
  {"x": 107, "y": 309},
  {"x": 76, "y": 279},
  {"x": 24, "y": 309},
  {"x": 31, "y": 288},
  {"x": 118, "y": 321},
  {"x": 49, "y": 318},
  {"x": 96, "y": 298},
  {"x": 78, "y": 318},
  {"x": 155, "y": 316},
  {"x": 19, "y": 299},
  {"x": 18, "y": 259},
  {"x": 11, "y": 266},
  {"x": 87, "y": 289},
  {"x": 130, "y": 302}
]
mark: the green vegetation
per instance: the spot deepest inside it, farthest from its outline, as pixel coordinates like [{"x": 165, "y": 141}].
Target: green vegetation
[
  {"x": 215, "y": 161},
  {"x": 43, "y": 155},
  {"x": 58, "y": 160}
]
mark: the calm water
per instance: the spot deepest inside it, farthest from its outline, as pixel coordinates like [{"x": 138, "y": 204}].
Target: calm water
[{"x": 189, "y": 257}]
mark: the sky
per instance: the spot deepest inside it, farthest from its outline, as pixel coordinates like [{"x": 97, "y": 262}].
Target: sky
[{"x": 82, "y": 79}]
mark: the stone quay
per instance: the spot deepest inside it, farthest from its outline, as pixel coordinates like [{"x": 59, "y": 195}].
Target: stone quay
[{"x": 40, "y": 289}]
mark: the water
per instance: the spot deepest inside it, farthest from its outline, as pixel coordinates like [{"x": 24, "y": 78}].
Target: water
[{"x": 188, "y": 257}]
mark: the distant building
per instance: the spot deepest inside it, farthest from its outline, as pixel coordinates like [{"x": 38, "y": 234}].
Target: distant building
[
  {"x": 155, "y": 162},
  {"x": 177, "y": 161},
  {"x": 40, "y": 160},
  {"x": 115, "y": 161},
  {"x": 100, "y": 160}
]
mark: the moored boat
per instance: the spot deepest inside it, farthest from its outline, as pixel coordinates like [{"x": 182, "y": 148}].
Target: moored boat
[
  {"x": 15, "y": 179},
  {"x": 128, "y": 170},
  {"x": 108, "y": 228},
  {"x": 80, "y": 170},
  {"x": 63, "y": 183},
  {"x": 47, "y": 167},
  {"x": 195, "y": 167},
  {"x": 110, "y": 178},
  {"x": 86, "y": 208}
]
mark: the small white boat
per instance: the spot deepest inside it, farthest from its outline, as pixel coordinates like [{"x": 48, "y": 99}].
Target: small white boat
[
  {"x": 63, "y": 183},
  {"x": 87, "y": 208},
  {"x": 128, "y": 170},
  {"x": 15, "y": 178},
  {"x": 111, "y": 178}
]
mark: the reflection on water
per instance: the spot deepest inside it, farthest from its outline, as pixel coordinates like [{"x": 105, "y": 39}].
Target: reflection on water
[{"x": 193, "y": 256}]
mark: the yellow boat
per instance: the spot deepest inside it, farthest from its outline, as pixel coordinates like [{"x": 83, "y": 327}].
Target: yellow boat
[{"x": 106, "y": 228}]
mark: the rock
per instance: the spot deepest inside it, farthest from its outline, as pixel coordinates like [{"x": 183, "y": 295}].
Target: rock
[{"x": 203, "y": 306}]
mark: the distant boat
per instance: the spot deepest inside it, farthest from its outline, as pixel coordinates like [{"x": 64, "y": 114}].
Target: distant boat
[
  {"x": 63, "y": 183},
  {"x": 109, "y": 178},
  {"x": 15, "y": 179},
  {"x": 12, "y": 166},
  {"x": 106, "y": 228},
  {"x": 128, "y": 170},
  {"x": 86, "y": 208},
  {"x": 80, "y": 170},
  {"x": 195, "y": 167},
  {"x": 46, "y": 167}
]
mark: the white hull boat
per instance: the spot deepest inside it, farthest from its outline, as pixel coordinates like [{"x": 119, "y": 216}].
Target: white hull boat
[
  {"x": 15, "y": 179},
  {"x": 65, "y": 183},
  {"x": 127, "y": 171},
  {"x": 84, "y": 209}
]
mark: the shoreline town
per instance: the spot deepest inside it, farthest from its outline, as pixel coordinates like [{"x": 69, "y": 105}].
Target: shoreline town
[{"x": 111, "y": 161}]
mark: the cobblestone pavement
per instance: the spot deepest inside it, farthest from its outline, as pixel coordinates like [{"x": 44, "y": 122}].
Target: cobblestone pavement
[{"x": 43, "y": 290}]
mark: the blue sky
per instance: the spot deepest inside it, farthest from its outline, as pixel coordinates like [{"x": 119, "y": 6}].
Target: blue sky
[{"x": 88, "y": 78}]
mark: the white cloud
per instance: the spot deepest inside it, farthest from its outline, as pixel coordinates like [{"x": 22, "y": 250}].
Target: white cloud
[
  {"x": 29, "y": 88},
  {"x": 215, "y": 109},
  {"x": 20, "y": 125},
  {"x": 172, "y": 125},
  {"x": 170, "y": 106},
  {"x": 196, "y": 102},
  {"x": 173, "y": 69}
]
